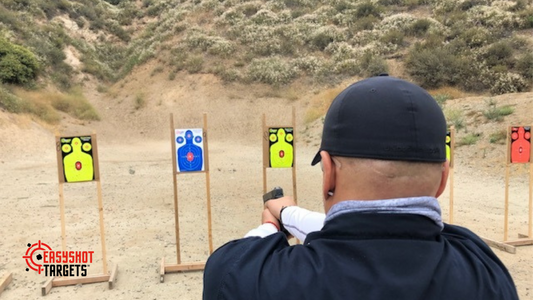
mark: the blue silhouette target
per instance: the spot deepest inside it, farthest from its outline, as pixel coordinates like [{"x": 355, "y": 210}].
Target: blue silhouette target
[{"x": 190, "y": 149}]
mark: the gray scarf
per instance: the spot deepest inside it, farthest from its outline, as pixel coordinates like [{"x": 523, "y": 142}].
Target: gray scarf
[{"x": 424, "y": 206}]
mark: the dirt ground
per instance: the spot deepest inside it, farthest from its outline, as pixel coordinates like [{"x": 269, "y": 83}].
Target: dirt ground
[{"x": 137, "y": 189}]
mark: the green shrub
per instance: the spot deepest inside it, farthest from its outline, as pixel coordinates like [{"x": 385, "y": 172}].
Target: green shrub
[
  {"x": 156, "y": 70},
  {"x": 524, "y": 65},
  {"x": 499, "y": 53},
  {"x": 372, "y": 65},
  {"x": 496, "y": 113},
  {"x": 394, "y": 37},
  {"x": 455, "y": 117},
  {"x": 226, "y": 74},
  {"x": 432, "y": 68},
  {"x": 475, "y": 37},
  {"x": 172, "y": 75},
  {"x": 390, "y": 2},
  {"x": 349, "y": 67},
  {"x": 222, "y": 48},
  {"x": 9, "y": 102},
  {"x": 469, "y": 139},
  {"x": 118, "y": 31},
  {"x": 140, "y": 101},
  {"x": 365, "y": 23},
  {"x": 441, "y": 99},
  {"x": 154, "y": 10},
  {"x": 322, "y": 39},
  {"x": 18, "y": 65},
  {"x": 506, "y": 82},
  {"x": 498, "y": 137},
  {"x": 194, "y": 64},
  {"x": 527, "y": 17},
  {"x": 419, "y": 27},
  {"x": 270, "y": 70},
  {"x": 368, "y": 8}
]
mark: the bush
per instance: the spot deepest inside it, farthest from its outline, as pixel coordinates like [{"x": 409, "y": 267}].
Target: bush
[
  {"x": 194, "y": 64},
  {"x": 366, "y": 9},
  {"x": 499, "y": 53},
  {"x": 18, "y": 65},
  {"x": 441, "y": 99},
  {"x": 75, "y": 104},
  {"x": 432, "y": 68},
  {"x": 321, "y": 40},
  {"x": 419, "y": 27},
  {"x": 476, "y": 37},
  {"x": 524, "y": 65},
  {"x": 455, "y": 117},
  {"x": 498, "y": 137},
  {"x": 9, "y": 102},
  {"x": 394, "y": 37},
  {"x": 140, "y": 101},
  {"x": 270, "y": 70},
  {"x": 226, "y": 74},
  {"x": 372, "y": 65},
  {"x": 527, "y": 17},
  {"x": 496, "y": 113},
  {"x": 469, "y": 139},
  {"x": 222, "y": 48},
  {"x": 507, "y": 82}
]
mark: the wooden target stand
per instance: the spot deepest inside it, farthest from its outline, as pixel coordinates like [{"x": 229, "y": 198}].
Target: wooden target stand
[
  {"x": 523, "y": 239},
  {"x": 450, "y": 148},
  {"x": 5, "y": 281},
  {"x": 190, "y": 266},
  {"x": 64, "y": 281},
  {"x": 266, "y": 134}
]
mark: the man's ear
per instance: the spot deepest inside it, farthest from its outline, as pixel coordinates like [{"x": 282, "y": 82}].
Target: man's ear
[
  {"x": 328, "y": 175},
  {"x": 444, "y": 178}
]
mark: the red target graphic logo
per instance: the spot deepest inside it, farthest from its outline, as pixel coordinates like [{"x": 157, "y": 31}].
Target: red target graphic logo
[{"x": 35, "y": 251}]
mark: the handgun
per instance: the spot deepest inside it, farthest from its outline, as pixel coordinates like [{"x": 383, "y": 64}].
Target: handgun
[{"x": 276, "y": 193}]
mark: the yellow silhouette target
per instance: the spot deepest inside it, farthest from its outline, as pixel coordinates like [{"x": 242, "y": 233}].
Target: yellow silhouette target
[
  {"x": 281, "y": 150},
  {"x": 76, "y": 162}
]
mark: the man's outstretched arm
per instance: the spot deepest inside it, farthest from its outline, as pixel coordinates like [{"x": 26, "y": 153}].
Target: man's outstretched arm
[{"x": 298, "y": 221}]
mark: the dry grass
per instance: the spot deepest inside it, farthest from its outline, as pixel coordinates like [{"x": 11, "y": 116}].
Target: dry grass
[
  {"x": 33, "y": 103},
  {"x": 452, "y": 92},
  {"x": 43, "y": 104},
  {"x": 320, "y": 103}
]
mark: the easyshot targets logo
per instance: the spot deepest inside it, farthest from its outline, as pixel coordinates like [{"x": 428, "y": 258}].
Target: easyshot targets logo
[{"x": 41, "y": 258}]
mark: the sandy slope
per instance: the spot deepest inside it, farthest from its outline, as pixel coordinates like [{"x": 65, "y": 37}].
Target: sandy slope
[{"x": 139, "y": 219}]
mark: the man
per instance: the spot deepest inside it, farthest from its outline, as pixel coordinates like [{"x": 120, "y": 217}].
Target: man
[{"x": 384, "y": 165}]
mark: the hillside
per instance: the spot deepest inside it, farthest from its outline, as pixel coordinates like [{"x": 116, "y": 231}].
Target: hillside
[{"x": 120, "y": 66}]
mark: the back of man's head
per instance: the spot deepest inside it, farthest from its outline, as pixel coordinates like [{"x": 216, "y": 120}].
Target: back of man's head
[{"x": 386, "y": 129}]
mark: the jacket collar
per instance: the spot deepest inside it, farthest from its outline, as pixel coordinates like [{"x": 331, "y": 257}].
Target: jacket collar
[{"x": 360, "y": 226}]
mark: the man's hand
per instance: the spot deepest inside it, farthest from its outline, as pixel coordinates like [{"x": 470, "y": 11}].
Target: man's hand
[
  {"x": 275, "y": 205},
  {"x": 267, "y": 217}
]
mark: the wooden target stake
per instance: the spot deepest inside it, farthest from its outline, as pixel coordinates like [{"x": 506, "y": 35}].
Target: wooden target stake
[
  {"x": 515, "y": 134},
  {"x": 195, "y": 266},
  {"x": 266, "y": 151},
  {"x": 4, "y": 282},
  {"x": 64, "y": 281},
  {"x": 451, "y": 159}
]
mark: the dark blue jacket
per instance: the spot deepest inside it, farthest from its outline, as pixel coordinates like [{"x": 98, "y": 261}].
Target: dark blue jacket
[{"x": 361, "y": 256}]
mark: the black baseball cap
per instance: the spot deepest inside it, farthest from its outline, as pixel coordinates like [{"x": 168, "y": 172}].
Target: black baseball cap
[{"x": 385, "y": 118}]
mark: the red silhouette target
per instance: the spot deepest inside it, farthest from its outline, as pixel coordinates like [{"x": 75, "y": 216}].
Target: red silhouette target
[
  {"x": 35, "y": 252},
  {"x": 521, "y": 144}
]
